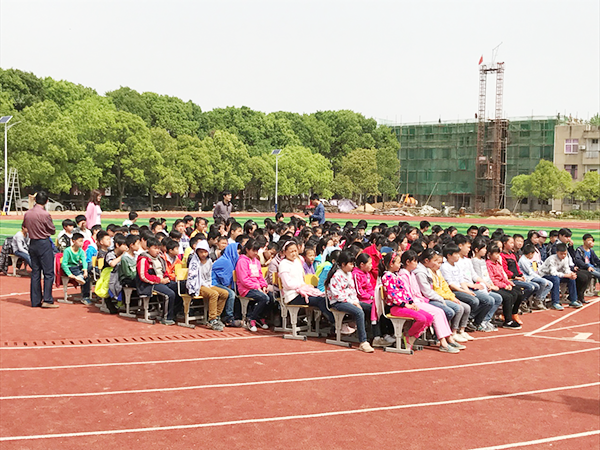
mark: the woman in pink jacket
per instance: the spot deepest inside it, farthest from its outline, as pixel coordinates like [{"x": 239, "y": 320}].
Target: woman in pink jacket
[
  {"x": 410, "y": 260},
  {"x": 93, "y": 211},
  {"x": 252, "y": 284}
]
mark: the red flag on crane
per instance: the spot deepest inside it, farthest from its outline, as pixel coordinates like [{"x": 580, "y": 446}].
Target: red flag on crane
[{"x": 480, "y": 60}]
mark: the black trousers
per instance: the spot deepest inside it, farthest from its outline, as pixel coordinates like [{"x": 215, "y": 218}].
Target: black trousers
[
  {"x": 582, "y": 281},
  {"x": 511, "y": 300},
  {"x": 42, "y": 260}
]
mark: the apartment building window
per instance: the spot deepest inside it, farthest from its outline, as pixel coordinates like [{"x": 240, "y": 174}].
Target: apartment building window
[
  {"x": 572, "y": 169},
  {"x": 593, "y": 150},
  {"x": 571, "y": 146}
]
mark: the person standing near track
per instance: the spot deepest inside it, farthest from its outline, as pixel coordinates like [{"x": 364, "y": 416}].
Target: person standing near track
[
  {"x": 224, "y": 208},
  {"x": 40, "y": 227},
  {"x": 93, "y": 211}
]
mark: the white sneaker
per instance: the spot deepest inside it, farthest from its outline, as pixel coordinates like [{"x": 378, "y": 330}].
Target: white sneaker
[
  {"x": 390, "y": 339},
  {"x": 449, "y": 349},
  {"x": 347, "y": 329},
  {"x": 380, "y": 342},
  {"x": 466, "y": 336},
  {"x": 458, "y": 338},
  {"x": 366, "y": 347}
]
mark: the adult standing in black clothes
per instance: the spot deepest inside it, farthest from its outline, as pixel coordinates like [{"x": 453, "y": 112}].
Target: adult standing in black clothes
[{"x": 39, "y": 224}]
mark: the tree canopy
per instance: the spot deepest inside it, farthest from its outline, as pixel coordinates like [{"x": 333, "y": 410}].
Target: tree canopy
[{"x": 73, "y": 139}]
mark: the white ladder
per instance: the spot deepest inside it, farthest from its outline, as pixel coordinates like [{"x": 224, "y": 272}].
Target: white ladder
[{"x": 14, "y": 191}]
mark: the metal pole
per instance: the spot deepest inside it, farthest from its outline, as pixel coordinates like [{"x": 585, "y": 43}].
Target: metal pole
[
  {"x": 276, "y": 179},
  {"x": 5, "y": 170}
]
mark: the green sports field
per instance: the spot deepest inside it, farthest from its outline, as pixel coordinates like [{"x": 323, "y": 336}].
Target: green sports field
[{"x": 10, "y": 227}]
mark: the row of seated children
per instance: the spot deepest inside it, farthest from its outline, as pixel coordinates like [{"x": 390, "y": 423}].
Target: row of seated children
[{"x": 462, "y": 282}]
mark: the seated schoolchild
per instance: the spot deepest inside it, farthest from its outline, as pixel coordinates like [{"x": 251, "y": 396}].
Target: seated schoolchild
[
  {"x": 341, "y": 292},
  {"x": 397, "y": 298},
  {"x": 585, "y": 257},
  {"x": 252, "y": 284},
  {"x": 131, "y": 219},
  {"x": 170, "y": 253},
  {"x": 90, "y": 246},
  {"x": 103, "y": 242},
  {"x": 184, "y": 240},
  {"x": 583, "y": 276},
  {"x": 63, "y": 240},
  {"x": 308, "y": 258},
  {"x": 529, "y": 268},
  {"x": 222, "y": 277},
  {"x": 433, "y": 286},
  {"x": 511, "y": 267},
  {"x": 442, "y": 329},
  {"x": 235, "y": 230},
  {"x": 482, "y": 290},
  {"x": 199, "y": 282},
  {"x": 192, "y": 247},
  {"x": 478, "y": 261},
  {"x": 295, "y": 290},
  {"x": 266, "y": 254},
  {"x": 151, "y": 277},
  {"x": 20, "y": 245},
  {"x": 480, "y": 306},
  {"x": 556, "y": 268},
  {"x": 75, "y": 267},
  {"x": 366, "y": 294},
  {"x": 82, "y": 228},
  {"x": 324, "y": 268},
  {"x": 221, "y": 243},
  {"x": 374, "y": 250},
  {"x": 127, "y": 268},
  {"x": 113, "y": 261},
  {"x": 511, "y": 296},
  {"x": 273, "y": 266},
  {"x": 134, "y": 229},
  {"x": 200, "y": 227}
]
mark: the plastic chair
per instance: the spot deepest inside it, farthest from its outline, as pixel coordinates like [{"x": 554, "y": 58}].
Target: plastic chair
[{"x": 398, "y": 322}]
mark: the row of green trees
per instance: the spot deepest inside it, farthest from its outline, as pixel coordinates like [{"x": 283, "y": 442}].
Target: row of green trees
[
  {"x": 70, "y": 136},
  {"x": 547, "y": 182}
]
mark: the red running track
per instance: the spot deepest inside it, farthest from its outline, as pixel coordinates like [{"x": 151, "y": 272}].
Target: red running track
[{"x": 538, "y": 387}]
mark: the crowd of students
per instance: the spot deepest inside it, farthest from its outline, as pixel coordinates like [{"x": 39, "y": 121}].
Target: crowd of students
[{"x": 459, "y": 284}]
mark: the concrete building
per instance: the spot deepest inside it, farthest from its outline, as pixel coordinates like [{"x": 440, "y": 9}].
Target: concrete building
[{"x": 576, "y": 150}]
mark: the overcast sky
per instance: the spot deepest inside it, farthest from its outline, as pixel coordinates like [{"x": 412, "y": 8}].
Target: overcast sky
[{"x": 400, "y": 61}]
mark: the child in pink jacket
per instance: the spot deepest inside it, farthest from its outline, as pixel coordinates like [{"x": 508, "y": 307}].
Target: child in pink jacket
[
  {"x": 252, "y": 284},
  {"x": 366, "y": 294}
]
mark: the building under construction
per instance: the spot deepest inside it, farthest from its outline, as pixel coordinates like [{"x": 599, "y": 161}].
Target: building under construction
[{"x": 441, "y": 161}]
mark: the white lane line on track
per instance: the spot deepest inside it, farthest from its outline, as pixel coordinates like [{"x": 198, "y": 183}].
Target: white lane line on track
[
  {"x": 541, "y": 441},
  {"x": 110, "y": 344},
  {"x": 227, "y": 339},
  {"x": 292, "y": 380},
  {"x": 544, "y": 331},
  {"x": 12, "y": 294},
  {"x": 560, "y": 319},
  {"x": 584, "y": 341},
  {"x": 169, "y": 361},
  {"x": 296, "y": 417}
]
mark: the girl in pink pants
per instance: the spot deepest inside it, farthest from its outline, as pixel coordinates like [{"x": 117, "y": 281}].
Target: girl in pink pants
[
  {"x": 440, "y": 322},
  {"x": 397, "y": 297}
]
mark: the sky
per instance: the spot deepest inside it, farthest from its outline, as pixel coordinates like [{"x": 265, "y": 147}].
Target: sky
[{"x": 396, "y": 61}]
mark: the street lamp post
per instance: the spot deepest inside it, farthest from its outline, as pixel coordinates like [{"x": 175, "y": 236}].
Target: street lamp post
[
  {"x": 276, "y": 152},
  {"x": 5, "y": 120}
]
